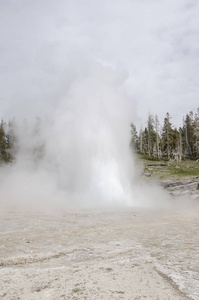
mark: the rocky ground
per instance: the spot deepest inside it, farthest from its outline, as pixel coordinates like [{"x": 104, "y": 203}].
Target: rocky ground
[
  {"x": 128, "y": 253},
  {"x": 116, "y": 254},
  {"x": 182, "y": 188},
  {"x": 178, "y": 178}
]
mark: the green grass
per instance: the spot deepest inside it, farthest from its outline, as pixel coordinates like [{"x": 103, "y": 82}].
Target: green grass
[
  {"x": 182, "y": 172},
  {"x": 173, "y": 170}
]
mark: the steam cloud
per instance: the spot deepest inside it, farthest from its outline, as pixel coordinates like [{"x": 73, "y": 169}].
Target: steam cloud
[
  {"x": 77, "y": 153},
  {"x": 61, "y": 79}
]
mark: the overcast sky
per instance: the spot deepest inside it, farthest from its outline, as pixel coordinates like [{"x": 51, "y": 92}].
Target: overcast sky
[{"x": 46, "y": 44}]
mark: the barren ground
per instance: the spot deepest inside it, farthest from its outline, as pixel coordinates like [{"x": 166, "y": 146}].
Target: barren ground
[{"x": 115, "y": 254}]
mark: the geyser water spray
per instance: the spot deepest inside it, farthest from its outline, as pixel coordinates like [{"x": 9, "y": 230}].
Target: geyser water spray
[{"x": 77, "y": 151}]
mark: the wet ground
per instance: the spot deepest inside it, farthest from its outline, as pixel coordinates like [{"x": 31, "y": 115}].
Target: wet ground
[{"x": 111, "y": 254}]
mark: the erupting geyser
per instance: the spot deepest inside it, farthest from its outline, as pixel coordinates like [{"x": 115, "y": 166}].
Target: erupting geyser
[{"x": 77, "y": 152}]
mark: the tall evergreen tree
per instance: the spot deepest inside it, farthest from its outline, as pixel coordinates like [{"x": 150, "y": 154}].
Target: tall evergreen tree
[
  {"x": 157, "y": 125},
  {"x": 166, "y": 136},
  {"x": 188, "y": 135},
  {"x": 196, "y": 134},
  {"x": 145, "y": 137},
  {"x": 5, "y": 144},
  {"x": 134, "y": 139},
  {"x": 141, "y": 141},
  {"x": 151, "y": 135}
]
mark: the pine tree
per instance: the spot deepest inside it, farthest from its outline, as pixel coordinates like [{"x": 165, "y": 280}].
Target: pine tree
[
  {"x": 11, "y": 138},
  {"x": 179, "y": 145},
  {"x": 196, "y": 134},
  {"x": 175, "y": 144},
  {"x": 170, "y": 142},
  {"x": 134, "y": 139},
  {"x": 141, "y": 141},
  {"x": 188, "y": 135},
  {"x": 157, "y": 124},
  {"x": 166, "y": 136},
  {"x": 145, "y": 137},
  {"x": 5, "y": 144},
  {"x": 151, "y": 135}
]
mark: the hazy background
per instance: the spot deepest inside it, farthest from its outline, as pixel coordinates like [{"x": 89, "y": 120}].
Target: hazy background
[
  {"x": 45, "y": 45},
  {"x": 80, "y": 72}
]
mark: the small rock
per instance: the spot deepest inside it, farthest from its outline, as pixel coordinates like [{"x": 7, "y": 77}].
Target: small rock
[
  {"x": 148, "y": 174},
  {"x": 27, "y": 241}
]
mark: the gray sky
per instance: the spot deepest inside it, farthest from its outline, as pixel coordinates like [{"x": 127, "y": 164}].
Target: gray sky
[{"x": 45, "y": 45}]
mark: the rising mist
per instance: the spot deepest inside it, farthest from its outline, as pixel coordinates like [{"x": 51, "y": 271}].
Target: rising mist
[{"x": 77, "y": 152}]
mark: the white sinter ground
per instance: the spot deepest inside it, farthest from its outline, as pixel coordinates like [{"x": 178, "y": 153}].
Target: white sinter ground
[{"x": 112, "y": 254}]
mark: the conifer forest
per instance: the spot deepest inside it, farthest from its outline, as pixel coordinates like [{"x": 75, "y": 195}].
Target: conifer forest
[
  {"x": 155, "y": 141},
  {"x": 165, "y": 141}
]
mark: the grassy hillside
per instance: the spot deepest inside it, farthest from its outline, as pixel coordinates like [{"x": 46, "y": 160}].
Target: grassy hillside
[{"x": 171, "y": 169}]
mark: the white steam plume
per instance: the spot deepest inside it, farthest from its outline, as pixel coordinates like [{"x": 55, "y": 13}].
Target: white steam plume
[{"x": 78, "y": 152}]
